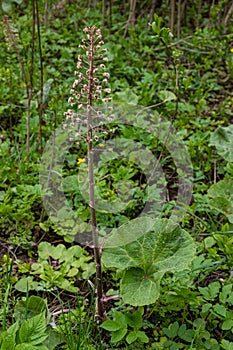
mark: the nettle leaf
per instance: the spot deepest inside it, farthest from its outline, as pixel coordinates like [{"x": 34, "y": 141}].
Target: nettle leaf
[
  {"x": 134, "y": 320},
  {"x": 226, "y": 293},
  {"x": 156, "y": 248},
  {"x": 33, "y": 330},
  {"x": 8, "y": 342},
  {"x": 111, "y": 325},
  {"x": 222, "y": 139},
  {"x": 142, "y": 337},
  {"x": 186, "y": 334},
  {"x": 172, "y": 330},
  {"x": 7, "y": 338},
  {"x": 120, "y": 318},
  {"x": 211, "y": 292},
  {"x": 220, "y": 310},
  {"x": 28, "y": 346},
  {"x": 222, "y": 197},
  {"x": 118, "y": 335},
  {"x": 131, "y": 337}
]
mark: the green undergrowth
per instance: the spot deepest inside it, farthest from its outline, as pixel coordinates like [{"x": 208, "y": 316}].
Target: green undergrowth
[{"x": 167, "y": 284}]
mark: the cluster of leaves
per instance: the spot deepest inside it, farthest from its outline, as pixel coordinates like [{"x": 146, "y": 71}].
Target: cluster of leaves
[
  {"x": 57, "y": 267},
  {"x": 32, "y": 328}
]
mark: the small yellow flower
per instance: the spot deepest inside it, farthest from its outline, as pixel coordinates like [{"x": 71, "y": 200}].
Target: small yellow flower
[
  {"x": 101, "y": 145},
  {"x": 231, "y": 49},
  {"x": 81, "y": 160},
  {"x": 110, "y": 192}
]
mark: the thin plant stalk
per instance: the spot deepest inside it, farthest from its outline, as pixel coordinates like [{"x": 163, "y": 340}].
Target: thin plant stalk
[
  {"x": 86, "y": 94},
  {"x": 12, "y": 39},
  {"x": 40, "y": 100},
  {"x": 8, "y": 285},
  {"x": 99, "y": 285}
]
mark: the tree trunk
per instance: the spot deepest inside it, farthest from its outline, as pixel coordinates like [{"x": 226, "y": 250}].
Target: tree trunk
[
  {"x": 132, "y": 17},
  {"x": 172, "y": 15}
]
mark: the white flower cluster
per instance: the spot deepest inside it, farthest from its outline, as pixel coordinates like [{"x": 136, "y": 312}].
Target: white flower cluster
[
  {"x": 90, "y": 86},
  {"x": 90, "y": 71}
]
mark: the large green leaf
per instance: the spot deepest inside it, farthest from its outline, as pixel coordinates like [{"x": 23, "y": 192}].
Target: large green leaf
[
  {"x": 222, "y": 139},
  {"x": 118, "y": 335},
  {"x": 54, "y": 338},
  {"x": 7, "y": 338},
  {"x": 28, "y": 346},
  {"x": 134, "y": 320},
  {"x": 34, "y": 306},
  {"x": 33, "y": 330},
  {"x": 138, "y": 289},
  {"x": 129, "y": 232},
  {"x": 155, "y": 249},
  {"x": 25, "y": 284},
  {"x": 8, "y": 342},
  {"x": 221, "y": 199}
]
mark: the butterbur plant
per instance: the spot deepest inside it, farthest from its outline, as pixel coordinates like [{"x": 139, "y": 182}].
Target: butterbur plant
[{"x": 88, "y": 91}]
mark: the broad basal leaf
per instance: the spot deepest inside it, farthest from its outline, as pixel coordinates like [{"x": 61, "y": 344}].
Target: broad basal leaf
[
  {"x": 156, "y": 249},
  {"x": 138, "y": 289},
  {"x": 129, "y": 232}
]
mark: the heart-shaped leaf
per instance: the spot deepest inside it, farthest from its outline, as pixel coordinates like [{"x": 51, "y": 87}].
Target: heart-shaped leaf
[{"x": 157, "y": 247}]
